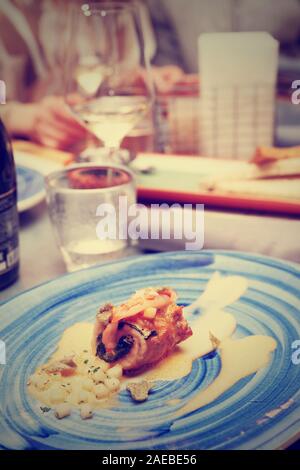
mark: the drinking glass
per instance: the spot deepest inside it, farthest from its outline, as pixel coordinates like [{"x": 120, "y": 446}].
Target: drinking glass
[
  {"x": 77, "y": 196},
  {"x": 107, "y": 76}
]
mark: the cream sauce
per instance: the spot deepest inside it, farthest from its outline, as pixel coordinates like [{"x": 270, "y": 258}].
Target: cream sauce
[
  {"x": 239, "y": 358},
  {"x": 76, "y": 340}
]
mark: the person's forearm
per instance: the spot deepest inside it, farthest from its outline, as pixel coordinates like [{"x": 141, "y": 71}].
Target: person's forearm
[
  {"x": 17, "y": 118},
  {"x": 5, "y": 113}
]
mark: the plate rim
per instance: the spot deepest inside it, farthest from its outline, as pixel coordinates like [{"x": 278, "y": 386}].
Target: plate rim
[
  {"x": 40, "y": 165},
  {"x": 292, "y": 264},
  {"x": 33, "y": 200}
]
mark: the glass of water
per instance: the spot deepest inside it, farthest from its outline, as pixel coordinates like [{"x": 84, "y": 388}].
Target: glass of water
[{"x": 88, "y": 205}]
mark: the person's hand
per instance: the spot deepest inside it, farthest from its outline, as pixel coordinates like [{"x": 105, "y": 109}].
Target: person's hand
[
  {"x": 48, "y": 122},
  {"x": 164, "y": 78}
]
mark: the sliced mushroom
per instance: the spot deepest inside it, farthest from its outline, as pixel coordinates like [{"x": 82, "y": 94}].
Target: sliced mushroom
[{"x": 139, "y": 391}]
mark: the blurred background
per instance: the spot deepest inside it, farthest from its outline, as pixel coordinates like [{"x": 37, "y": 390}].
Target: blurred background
[{"x": 31, "y": 62}]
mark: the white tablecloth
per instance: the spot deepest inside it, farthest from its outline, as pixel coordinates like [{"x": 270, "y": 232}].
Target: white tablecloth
[
  {"x": 268, "y": 235},
  {"x": 274, "y": 236}
]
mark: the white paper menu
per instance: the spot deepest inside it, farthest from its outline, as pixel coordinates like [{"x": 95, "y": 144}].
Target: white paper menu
[{"x": 238, "y": 74}]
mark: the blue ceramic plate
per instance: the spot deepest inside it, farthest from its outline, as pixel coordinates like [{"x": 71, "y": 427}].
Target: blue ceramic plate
[
  {"x": 31, "y": 189},
  {"x": 242, "y": 418}
]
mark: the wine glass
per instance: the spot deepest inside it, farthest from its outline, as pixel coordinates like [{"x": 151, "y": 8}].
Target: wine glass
[{"x": 107, "y": 75}]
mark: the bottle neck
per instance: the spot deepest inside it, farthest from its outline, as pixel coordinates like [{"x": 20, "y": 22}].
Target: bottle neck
[{"x": 7, "y": 166}]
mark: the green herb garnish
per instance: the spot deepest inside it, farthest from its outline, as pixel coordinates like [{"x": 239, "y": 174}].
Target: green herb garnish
[{"x": 45, "y": 409}]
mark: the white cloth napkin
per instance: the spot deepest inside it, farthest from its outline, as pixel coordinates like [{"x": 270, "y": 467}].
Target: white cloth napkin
[{"x": 272, "y": 236}]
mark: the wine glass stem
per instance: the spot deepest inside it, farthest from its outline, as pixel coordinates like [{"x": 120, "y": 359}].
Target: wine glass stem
[
  {"x": 112, "y": 157},
  {"x": 112, "y": 149}
]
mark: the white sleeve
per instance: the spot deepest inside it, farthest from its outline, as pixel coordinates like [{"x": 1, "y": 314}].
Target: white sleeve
[{"x": 147, "y": 29}]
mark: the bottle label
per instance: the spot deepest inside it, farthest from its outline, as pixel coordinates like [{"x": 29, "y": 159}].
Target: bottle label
[{"x": 9, "y": 241}]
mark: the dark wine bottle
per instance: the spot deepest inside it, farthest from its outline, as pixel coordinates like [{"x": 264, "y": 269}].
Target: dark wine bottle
[{"x": 9, "y": 223}]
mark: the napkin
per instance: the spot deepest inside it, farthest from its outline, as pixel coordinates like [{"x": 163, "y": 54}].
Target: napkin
[{"x": 272, "y": 236}]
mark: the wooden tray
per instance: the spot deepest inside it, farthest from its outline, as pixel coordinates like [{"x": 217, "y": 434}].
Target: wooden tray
[{"x": 180, "y": 179}]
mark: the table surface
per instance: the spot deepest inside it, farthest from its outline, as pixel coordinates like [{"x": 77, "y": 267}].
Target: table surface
[{"x": 41, "y": 259}]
